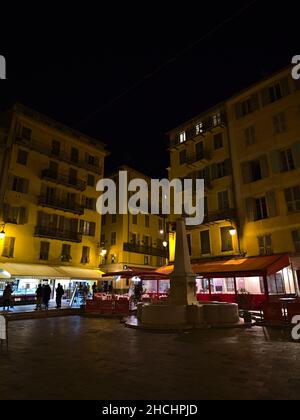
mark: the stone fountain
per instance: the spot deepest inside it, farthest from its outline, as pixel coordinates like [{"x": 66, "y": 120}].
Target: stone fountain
[{"x": 183, "y": 311}]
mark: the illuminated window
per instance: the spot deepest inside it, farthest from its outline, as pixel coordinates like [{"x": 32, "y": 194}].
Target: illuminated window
[{"x": 182, "y": 137}]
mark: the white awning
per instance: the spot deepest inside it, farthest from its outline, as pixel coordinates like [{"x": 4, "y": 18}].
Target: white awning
[
  {"x": 78, "y": 273},
  {"x": 32, "y": 271},
  {"x": 3, "y": 273}
]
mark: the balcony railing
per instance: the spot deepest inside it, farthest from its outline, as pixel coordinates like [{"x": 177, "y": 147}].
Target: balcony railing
[
  {"x": 59, "y": 234},
  {"x": 62, "y": 179},
  {"x": 145, "y": 249},
  {"x": 64, "y": 205},
  {"x": 45, "y": 149},
  {"x": 216, "y": 216},
  {"x": 198, "y": 157}
]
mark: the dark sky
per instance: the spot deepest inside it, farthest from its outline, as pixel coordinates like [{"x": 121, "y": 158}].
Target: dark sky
[{"x": 68, "y": 68}]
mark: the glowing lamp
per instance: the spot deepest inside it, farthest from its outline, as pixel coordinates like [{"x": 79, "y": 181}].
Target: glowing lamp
[
  {"x": 2, "y": 234},
  {"x": 232, "y": 231},
  {"x": 165, "y": 244}
]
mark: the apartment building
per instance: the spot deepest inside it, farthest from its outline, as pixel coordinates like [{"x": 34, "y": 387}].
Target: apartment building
[
  {"x": 50, "y": 228},
  {"x": 132, "y": 241}
]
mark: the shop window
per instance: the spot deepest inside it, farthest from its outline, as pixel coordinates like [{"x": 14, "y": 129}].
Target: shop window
[{"x": 276, "y": 284}]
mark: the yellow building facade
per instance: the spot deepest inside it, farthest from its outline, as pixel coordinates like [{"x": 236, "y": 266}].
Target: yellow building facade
[
  {"x": 132, "y": 242},
  {"x": 48, "y": 200}
]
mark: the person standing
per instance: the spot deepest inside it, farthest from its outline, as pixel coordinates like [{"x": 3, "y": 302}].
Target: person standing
[
  {"x": 59, "y": 294},
  {"x": 7, "y": 297},
  {"x": 46, "y": 295},
  {"x": 39, "y": 297},
  {"x": 94, "y": 288}
]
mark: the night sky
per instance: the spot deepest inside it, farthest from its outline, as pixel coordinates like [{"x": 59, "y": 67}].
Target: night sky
[{"x": 128, "y": 75}]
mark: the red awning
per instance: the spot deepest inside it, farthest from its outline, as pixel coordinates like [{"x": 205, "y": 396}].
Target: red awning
[
  {"x": 142, "y": 274},
  {"x": 237, "y": 267}
]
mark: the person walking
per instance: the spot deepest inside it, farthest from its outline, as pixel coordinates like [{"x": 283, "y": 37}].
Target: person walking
[
  {"x": 46, "y": 295},
  {"x": 39, "y": 297},
  {"x": 94, "y": 288},
  {"x": 59, "y": 294},
  {"x": 7, "y": 297}
]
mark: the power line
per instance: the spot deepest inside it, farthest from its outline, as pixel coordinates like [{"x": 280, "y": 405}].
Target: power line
[{"x": 169, "y": 61}]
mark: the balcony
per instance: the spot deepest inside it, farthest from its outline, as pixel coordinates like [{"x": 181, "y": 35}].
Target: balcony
[
  {"x": 59, "y": 234},
  {"x": 64, "y": 205},
  {"x": 46, "y": 149},
  {"x": 219, "y": 215},
  {"x": 62, "y": 179},
  {"x": 145, "y": 249},
  {"x": 196, "y": 158}
]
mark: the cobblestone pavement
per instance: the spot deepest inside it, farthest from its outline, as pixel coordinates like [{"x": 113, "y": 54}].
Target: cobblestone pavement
[{"x": 83, "y": 358}]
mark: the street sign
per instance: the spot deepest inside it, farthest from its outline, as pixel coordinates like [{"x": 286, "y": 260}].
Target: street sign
[{"x": 3, "y": 332}]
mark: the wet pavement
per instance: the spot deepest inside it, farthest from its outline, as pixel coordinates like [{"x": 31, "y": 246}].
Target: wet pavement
[{"x": 86, "y": 358}]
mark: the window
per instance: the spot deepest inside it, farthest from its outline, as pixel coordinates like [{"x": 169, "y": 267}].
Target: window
[
  {"x": 22, "y": 157},
  {"x": 113, "y": 218},
  {"x": 226, "y": 239},
  {"x": 66, "y": 253},
  {"x": 265, "y": 245},
  {"x": 133, "y": 238},
  {"x": 200, "y": 150},
  {"x": 287, "y": 160},
  {"x": 205, "y": 242},
  {"x": 20, "y": 185},
  {"x": 261, "y": 209},
  {"x": 292, "y": 198},
  {"x": 113, "y": 259},
  {"x": 250, "y": 135},
  {"x": 55, "y": 148},
  {"x": 182, "y": 157},
  {"x": 218, "y": 141},
  {"x": 26, "y": 133},
  {"x": 134, "y": 219},
  {"x": 103, "y": 220},
  {"x": 199, "y": 128},
  {"x": 85, "y": 257},
  {"x": 147, "y": 220},
  {"x": 102, "y": 239},
  {"x": 275, "y": 92},
  {"x": 113, "y": 238},
  {"x": 89, "y": 203},
  {"x": 17, "y": 215},
  {"x": 160, "y": 225},
  {"x": 279, "y": 123},
  {"x": 255, "y": 170},
  {"x": 91, "y": 180},
  {"x": 223, "y": 200},
  {"x": 74, "y": 155},
  {"x": 44, "y": 250},
  {"x": 8, "y": 247},
  {"x": 146, "y": 260},
  {"x": 72, "y": 176},
  {"x": 221, "y": 169},
  {"x": 217, "y": 119},
  {"x": 87, "y": 228},
  {"x": 182, "y": 137},
  {"x": 189, "y": 240},
  {"x": 247, "y": 107},
  {"x": 296, "y": 239}
]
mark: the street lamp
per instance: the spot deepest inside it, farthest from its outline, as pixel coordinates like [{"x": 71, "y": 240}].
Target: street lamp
[
  {"x": 165, "y": 244},
  {"x": 232, "y": 231},
  {"x": 103, "y": 253}
]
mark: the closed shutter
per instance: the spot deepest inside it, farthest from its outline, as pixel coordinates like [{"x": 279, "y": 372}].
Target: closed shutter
[
  {"x": 275, "y": 158},
  {"x": 264, "y": 166},
  {"x": 246, "y": 172},
  {"x": 296, "y": 153},
  {"x": 250, "y": 209},
  {"x": 92, "y": 229},
  {"x": 271, "y": 203}
]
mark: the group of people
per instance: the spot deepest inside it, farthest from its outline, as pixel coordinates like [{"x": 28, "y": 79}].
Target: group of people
[{"x": 43, "y": 295}]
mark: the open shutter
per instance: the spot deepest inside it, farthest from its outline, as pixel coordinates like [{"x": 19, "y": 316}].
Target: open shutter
[
  {"x": 275, "y": 161},
  {"x": 246, "y": 175},
  {"x": 296, "y": 153},
  {"x": 250, "y": 209},
  {"x": 265, "y": 96},
  {"x": 271, "y": 203},
  {"x": 264, "y": 166}
]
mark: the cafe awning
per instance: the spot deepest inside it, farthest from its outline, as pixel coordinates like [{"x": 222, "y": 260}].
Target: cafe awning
[
  {"x": 31, "y": 270},
  {"x": 236, "y": 267},
  {"x": 142, "y": 274},
  {"x": 79, "y": 273}
]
